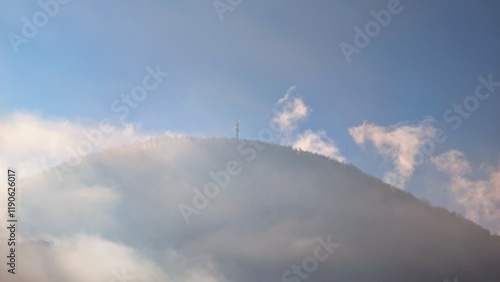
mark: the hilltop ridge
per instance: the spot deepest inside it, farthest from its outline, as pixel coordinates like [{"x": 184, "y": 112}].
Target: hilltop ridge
[{"x": 263, "y": 210}]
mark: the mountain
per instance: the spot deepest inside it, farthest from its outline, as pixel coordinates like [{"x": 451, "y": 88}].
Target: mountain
[{"x": 188, "y": 209}]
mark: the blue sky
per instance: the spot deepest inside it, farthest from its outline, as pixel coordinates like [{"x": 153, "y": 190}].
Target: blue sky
[{"x": 425, "y": 60}]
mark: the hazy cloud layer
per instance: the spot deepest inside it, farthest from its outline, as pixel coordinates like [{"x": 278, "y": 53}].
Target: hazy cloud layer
[
  {"x": 480, "y": 197},
  {"x": 118, "y": 214},
  {"x": 400, "y": 143},
  {"x": 83, "y": 258},
  {"x": 31, "y": 143}
]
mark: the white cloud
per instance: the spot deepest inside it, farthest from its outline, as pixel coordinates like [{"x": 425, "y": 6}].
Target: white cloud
[
  {"x": 317, "y": 142},
  {"x": 31, "y": 143},
  {"x": 480, "y": 197},
  {"x": 291, "y": 111},
  {"x": 399, "y": 142},
  {"x": 92, "y": 258}
]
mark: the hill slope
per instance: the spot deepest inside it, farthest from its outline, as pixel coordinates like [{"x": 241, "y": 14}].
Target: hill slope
[{"x": 266, "y": 208}]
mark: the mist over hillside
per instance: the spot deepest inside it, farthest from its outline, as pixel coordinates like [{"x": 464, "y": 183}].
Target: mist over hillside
[{"x": 187, "y": 209}]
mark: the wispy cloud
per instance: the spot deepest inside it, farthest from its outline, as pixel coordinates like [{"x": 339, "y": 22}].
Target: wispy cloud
[
  {"x": 290, "y": 112},
  {"x": 400, "y": 143},
  {"x": 479, "y": 197},
  {"x": 317, "y": 142}
]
